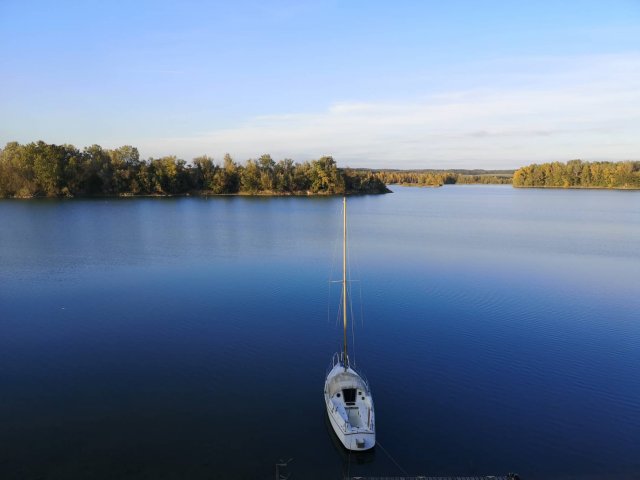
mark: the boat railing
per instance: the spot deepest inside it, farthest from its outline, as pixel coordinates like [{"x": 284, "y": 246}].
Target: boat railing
[
  {"x": 335, "y": 360},
  {"x": 338, "y": 359},
  {"x": 362, "y": 376}
]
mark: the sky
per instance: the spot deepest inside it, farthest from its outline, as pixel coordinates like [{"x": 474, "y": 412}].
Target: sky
[{"x": 389, "y": 84}]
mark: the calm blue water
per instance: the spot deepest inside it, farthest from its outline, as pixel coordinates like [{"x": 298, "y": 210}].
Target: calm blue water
[{"x": 188, "y": 338}]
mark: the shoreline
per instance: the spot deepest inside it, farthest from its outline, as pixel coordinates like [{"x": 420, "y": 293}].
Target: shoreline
[
  {"x": 204, "y": 194},
  {"x": 575, "y": 187},
  {"x": 414, "y": 185}
]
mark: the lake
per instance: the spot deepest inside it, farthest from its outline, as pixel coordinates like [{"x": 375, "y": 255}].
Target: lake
[{"x": 174, "y": 338}]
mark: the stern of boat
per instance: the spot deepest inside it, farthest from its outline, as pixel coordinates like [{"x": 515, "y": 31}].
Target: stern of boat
[{"x": 350, "y": 406}]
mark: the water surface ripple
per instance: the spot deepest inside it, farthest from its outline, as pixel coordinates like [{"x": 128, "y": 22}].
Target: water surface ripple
[{"x": 189, "y": 337}]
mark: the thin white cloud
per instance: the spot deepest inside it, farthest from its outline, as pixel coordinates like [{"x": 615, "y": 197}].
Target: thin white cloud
[{"x": 578, "y": 108}]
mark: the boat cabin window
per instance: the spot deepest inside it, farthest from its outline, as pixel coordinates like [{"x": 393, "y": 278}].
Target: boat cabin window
[
  {"x": 349, "y": 395},
  {"x": 338, "y": 395}
]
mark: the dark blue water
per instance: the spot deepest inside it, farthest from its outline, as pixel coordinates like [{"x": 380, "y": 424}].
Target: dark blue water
[{"x": 188, "y": 338}]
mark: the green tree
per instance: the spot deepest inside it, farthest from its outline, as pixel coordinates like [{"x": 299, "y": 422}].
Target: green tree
[
  {"x": 325, "y": 177},
  {"x": 124, "y": 168},
  {"x": 302, "y": 177},
  {"x": 18, "y": 177},
  {"x": 267, "y": 178},
  {"x": 169, "y": 175},
  {"x": 250, "y": 177},
  {"x": 230, "y": 176},
  {"x": 96, "y": 171},
  {"x": 284, "y": 176},
  {"x": 204, "y": 173}
]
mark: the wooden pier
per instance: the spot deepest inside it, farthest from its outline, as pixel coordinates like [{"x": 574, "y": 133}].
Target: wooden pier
[{"x": 481, "y": 477}]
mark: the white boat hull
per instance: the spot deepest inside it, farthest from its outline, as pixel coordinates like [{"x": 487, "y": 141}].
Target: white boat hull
[{"x": 352, "y": 419}]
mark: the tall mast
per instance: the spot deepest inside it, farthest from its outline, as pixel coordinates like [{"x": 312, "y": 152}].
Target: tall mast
[{"x": 344, "y": 278}]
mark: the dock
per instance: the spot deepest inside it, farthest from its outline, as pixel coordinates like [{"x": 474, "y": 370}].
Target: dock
[{"x": 481, "y": 477}]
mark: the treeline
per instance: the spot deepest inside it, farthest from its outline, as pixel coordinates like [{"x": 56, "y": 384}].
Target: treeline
[
  {"x": 577, "y": 173},
  {"x": 438, "y": 178},
  {"x": 41, "y": 169}
]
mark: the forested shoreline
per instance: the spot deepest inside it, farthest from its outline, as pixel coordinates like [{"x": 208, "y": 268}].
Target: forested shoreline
[
  {"x": 579, "y": 174},
  {"x": 39, "y": 169},
  {"x": 437, "y": 178}
]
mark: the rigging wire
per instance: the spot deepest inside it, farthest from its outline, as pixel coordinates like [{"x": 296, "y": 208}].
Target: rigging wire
[
  {"x": 350, "y": 299},
  {"x": 352, "y": 264},
  {"x": 361, "y": 306},
  {"x": 350, "y": 291},
  {"x": 353, "y": 332},
  {"x": 333, "y": 264},
  {"x": 356, "y": 268},
  {"x": 339, "y": 313}
]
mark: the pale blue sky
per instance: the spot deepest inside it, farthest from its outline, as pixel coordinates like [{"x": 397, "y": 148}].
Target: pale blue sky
[{"x": 420, "y": 84}]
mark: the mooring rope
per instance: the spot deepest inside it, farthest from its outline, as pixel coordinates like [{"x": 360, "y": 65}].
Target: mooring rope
[{"x": 404, "y": 472}]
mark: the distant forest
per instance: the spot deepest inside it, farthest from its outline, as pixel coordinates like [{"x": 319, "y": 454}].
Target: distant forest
[
  {"x": 579, "y": 174},
  {"x": 436, "y": 178},
  {"x": 39, "y": 169},
  {"x": 46, "y": 170}
]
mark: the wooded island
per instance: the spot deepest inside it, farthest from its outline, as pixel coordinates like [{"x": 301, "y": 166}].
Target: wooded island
[{"x": 45, "y": 170}]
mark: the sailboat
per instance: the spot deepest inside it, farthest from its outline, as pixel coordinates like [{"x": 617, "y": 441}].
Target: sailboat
[{"x": 346, "y": 391}]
